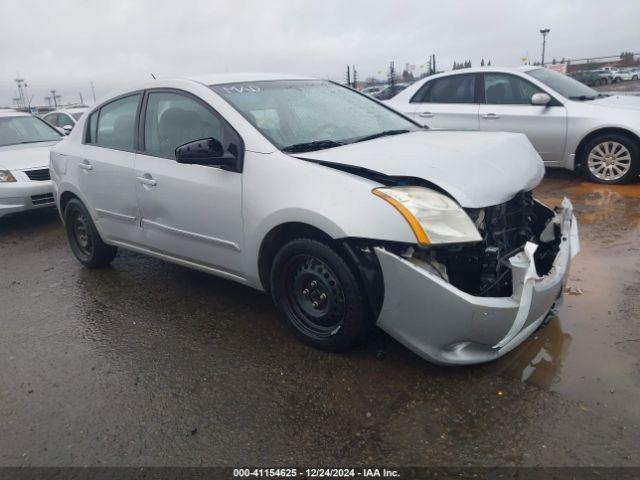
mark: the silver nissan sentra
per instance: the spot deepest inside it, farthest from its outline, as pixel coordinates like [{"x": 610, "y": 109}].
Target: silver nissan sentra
[{"x": 347, "y": 213}]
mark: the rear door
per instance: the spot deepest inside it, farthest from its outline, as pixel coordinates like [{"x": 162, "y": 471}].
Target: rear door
[
  {"x": 508, "y": 108},
  {"x": 190, "y": 212},
  {"x": 105, "y": 168},
  {"x": 447, "y": 102}
]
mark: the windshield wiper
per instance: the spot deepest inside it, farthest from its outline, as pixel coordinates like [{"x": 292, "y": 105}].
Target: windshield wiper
[
  {"x": 310, "y": 146},
  {"x": 381, "y": 134}
]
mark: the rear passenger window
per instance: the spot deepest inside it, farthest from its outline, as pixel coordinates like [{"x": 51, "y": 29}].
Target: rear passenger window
[
  {"x": 172, "y": 119},
  {"x": 454, "y": 89},
  {"x": 116, "y": 124}
]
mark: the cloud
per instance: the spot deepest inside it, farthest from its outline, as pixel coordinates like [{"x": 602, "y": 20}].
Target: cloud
[{"x": 114, "y": 43}]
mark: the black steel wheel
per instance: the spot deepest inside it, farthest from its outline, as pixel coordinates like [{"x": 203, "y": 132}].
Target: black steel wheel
[
  {"x": 319, "y": 295},
  {"x": 83, "y": 237}
]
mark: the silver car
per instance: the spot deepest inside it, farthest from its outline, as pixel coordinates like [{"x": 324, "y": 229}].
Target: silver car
[
  {"x": 347, "y": 213},
  {"x": 25, "y": 141},
  {"x": 570, "y": 125}
]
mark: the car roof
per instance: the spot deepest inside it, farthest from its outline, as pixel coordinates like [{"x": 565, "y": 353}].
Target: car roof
[
  {"x": 222, "y": 78},
  {"x": 69, "y": 110},
  {"x": 206, "y": 80},
  {"x": 490, "y": 69}
]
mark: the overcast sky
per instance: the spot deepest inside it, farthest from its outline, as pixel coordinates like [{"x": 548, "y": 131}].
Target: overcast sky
[{"x": 65, "y": 44}]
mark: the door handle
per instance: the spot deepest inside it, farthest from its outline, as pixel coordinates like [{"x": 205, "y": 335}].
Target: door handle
[
  {"x": 490, "y": 116},
  {"x": 85, "y": 165},
  {"x": 147, "y": 180},
  {"x": 425, "y": 114}
]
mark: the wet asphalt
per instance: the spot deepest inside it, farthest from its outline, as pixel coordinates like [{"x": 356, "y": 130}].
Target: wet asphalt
[{"x": 148, "y": 363}]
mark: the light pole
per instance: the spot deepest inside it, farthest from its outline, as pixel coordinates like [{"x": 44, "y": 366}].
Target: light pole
[{"x": 544, "y": 33}]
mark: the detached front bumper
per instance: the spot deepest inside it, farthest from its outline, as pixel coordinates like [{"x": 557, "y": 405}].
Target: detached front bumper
[
  {"x": 25, "y": 195},
  {"x": 445, "y": 325}
]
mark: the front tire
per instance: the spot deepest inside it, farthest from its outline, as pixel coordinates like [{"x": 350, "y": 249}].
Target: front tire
[
  {"x": 611, "y": 159},
  {"x": 319, "y": 295},
  {"x": 84, "y": 239}
]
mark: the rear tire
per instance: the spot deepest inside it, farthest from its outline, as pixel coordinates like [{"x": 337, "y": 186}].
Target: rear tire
[
  {"x": 84, "y": 239},
  {"x": 611, "y": 158},
  {"x": 319, "y": 295}
]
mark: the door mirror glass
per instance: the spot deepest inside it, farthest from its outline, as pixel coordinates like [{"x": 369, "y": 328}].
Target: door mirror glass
[
  {"x": 206, "y": 151},
  {"x": 67, "y": 129},
  {"x": 540, "y": 99}
]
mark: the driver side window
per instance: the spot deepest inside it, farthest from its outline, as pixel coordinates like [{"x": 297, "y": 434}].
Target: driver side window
[
  {"x": 505, "y": 89},
  {"x": 173, "y": 119}
]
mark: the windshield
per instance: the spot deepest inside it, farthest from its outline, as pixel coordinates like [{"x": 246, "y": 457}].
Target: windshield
[
  {"x": 299, "y": 115},
  {"x": 77, "y": 115},
  {"x": 564, "y": 85},
  {"x": 15, "y": 130}
]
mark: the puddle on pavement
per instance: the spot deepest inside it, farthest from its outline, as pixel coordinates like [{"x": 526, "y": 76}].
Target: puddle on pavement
[{"x": 591, "y": 351}]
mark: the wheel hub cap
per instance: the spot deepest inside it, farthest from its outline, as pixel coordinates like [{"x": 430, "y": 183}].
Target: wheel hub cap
[
  {"x": 316, "y": 295},
  {"x": 609, "y": 161}
]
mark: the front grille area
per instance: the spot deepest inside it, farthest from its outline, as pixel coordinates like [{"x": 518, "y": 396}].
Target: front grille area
[
  {"x": 38, "y": 175},
  {"x": 483, "y": 268},
  {"x": 42, "y": 199},
  {"x": 507, "y": 226}
]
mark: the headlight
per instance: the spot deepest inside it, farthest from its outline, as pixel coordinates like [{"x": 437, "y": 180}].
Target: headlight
[
  {"x": 433, "y": 217},
  {"x": 5, "y": 176}
]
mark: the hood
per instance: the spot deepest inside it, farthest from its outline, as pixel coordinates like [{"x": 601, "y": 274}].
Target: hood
[
  {"x": 25, "y": 156},
  {"x": 478, "y": 169},
  {"x": 627, "y": 102}
]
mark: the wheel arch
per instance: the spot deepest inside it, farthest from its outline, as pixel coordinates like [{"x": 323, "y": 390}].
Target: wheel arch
[
  {"x": 603, "y": 131},
  {"x": 277, "y": 237},
  {"x": 355, "y": 252},
  {"x": 65, "y": 198}
]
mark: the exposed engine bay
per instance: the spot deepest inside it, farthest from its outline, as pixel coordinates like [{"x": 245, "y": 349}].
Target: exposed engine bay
[{"x": 483, "y": 269}]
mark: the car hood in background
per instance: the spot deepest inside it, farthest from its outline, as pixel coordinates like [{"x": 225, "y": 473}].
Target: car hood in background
[
  {"x": 630, "y": 102},
  {"x": 25, "y": 156},
  {"x": 478, "y": 169}
]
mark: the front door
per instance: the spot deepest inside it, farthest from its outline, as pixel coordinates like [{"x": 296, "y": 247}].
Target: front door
[
  {"x": 508, "y": 108},
  {"x": 190, "y": 212}
]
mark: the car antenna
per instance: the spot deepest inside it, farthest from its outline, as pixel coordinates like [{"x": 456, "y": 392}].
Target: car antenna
[{"x": 154, "y": 77}]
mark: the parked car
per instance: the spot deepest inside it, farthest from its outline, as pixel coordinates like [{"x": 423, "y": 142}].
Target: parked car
[
  {"x": 587, "y": 77},
  {"x": 348, "y": 213},
  {"x": 25, "y": 141},
  {"x": 635, "y": 73},
  {"x": 65, "y": 118},
  {"x": 603, "y": 77},
  {"x": 571, "y": 125},
  {"x": 621, "y": 74},
  {"x": 373, "y": 89},
  {"x": 389, "y": 91}
]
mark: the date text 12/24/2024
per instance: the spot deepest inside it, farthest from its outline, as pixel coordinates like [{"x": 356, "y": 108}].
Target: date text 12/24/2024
[{"x": 315, "y": 473}]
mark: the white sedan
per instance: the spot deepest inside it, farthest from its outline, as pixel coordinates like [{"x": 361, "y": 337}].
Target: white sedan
[
  {"x": 570, "y": 125},
  {"x": 25, "y": 142},
  {"x": 65, "y": 118}
]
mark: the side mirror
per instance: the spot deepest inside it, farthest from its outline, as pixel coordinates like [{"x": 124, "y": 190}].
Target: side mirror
[
  {"x": 67, "y": 129},
  {"x": 208, "y": 152},
  {"x": 540, "y": 99}
]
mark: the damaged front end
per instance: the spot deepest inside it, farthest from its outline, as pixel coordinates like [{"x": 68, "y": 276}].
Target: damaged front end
[{"x": 473, "y": 302}]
